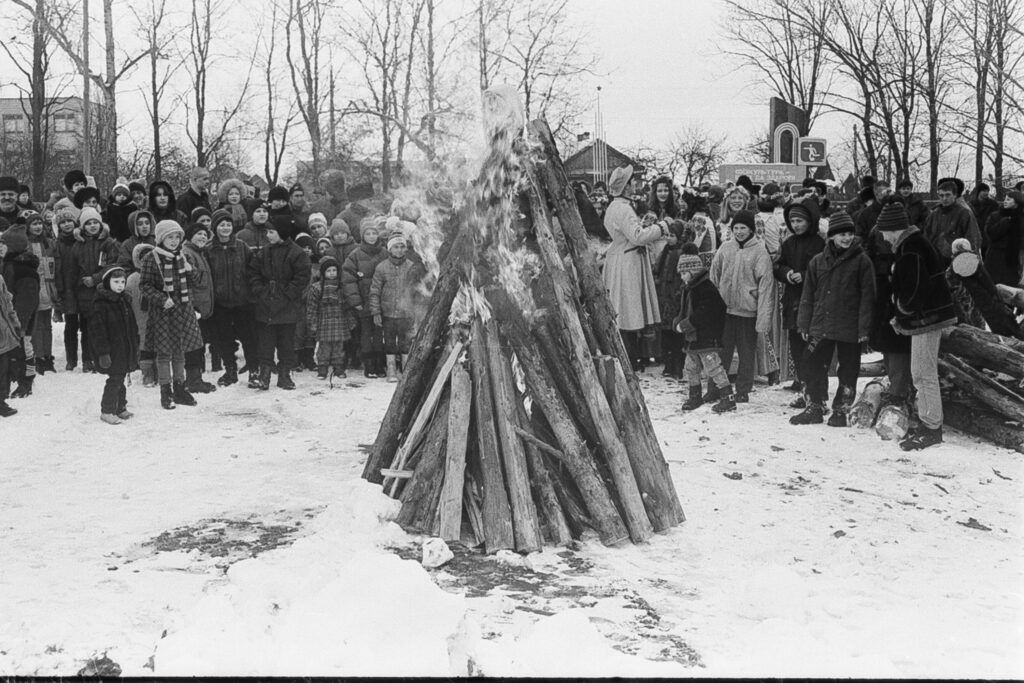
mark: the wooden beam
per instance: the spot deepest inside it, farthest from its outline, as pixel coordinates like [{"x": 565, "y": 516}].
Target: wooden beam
[{"x": 450, "y": 507}]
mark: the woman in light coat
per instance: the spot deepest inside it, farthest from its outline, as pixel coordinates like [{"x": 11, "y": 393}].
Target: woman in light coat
[{"x": 627, "y": 270}]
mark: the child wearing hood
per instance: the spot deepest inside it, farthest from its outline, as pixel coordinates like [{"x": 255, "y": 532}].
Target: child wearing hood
[
  {"x": 194, "y": 249},
  {"x": 391, "y": 301},
  {"x": 329, "y": 319},
  {"x": 230, "y": 194},
  {"x": 700, "y": 323},
  {"x": 91, "y": 256},
  {"x": 115, "y": 339},
  {"x": 140, "y": 225},
  {"x": 163, "y": 204},
  {"x": 147, "y": 359},
  {"x": 835, "y": 317},
  {"x": 41, "y": 245}
]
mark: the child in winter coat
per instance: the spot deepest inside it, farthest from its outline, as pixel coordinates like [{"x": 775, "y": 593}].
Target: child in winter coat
[
  {"x": 391, "y": 301},
  {"x": 64, "y": 279},
  {"x": 10, "y": 345},
  {"x": 700, "y": 323},
  {"x": 254, "y": 234},
  {"x": 835, "y": 316},
  {"x": 147, "y": 358},
  {"x": 194, "y": 249},
  {"x": 40, "y": 244},
  {"x": 669, "y": 286},
  {"x": 742, "y": 271},
  {"x": 20, "y": 271},
  {"x": 329, "y": 318},
  {"x": 356, "y": 277},
  {"x": 115, "y": 342},
  {"x": 230, "y": 194},
  {"x": 232, "y": 320},
  {"x": 140, "y": 224},
  {"x": 91, "y": 256},
  {"x": 305, "y": 341}
]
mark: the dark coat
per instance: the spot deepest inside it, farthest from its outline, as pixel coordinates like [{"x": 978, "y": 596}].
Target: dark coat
[
  {"x": 128, "y": 245},
  {"x": 91, "y": 257},
  {"x": 201, "y": 293},
  {"x": 168, "y": 331},
  {"x": 883, "y": 337},
  {"x": 795, "y": 255},
  {"x": 21, "y": 275},
  {"x": 64, "y": 267},
  {"x": 917, "y": 210},
  {"x": 838, "y": 300},
  {"x": 1005, "y": 231},
  {"x": 357, "y": 276},
  {"x": 592, "y": 221},
  {"x": 254, "y": 236},
  {"x": 923, "y": 300},
  {"x": 278, "y": 277},
  {"x": 983, "y": 210},
  {"x": 668, "y": 283},
  {"x": 114, "y": 332},
  {"x": 229, "y": 269},
  {"x": 191, "y": 200},
  {"x": 866, "y": 218},
  {"x": 948, "y": 223},
  {"x": 702, "y": 315},
  {"x": 116, "y": 217}
]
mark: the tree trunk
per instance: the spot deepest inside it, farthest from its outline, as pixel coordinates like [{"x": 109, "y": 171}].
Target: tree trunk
[
  {"x": 110, "y": 148},
  {"x": 38, "y": 104},
  {"x": 984, "y": 350},
  {"x": 980, "y": 387},
  {"x": 976, "y": 419},
  {"x": 865, "y": 410},
  {"x": 420, "y": 497},
  {"x": 450, "y": 506}
]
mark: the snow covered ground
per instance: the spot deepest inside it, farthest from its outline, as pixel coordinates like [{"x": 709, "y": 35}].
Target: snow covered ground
[{"x": 807, "y": 551}]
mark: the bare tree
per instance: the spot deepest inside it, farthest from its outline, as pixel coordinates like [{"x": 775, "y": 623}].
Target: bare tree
[
  {"x": 275, "y": 133},
  {"x": 1004, "y": 87},
  {"x": 159, "y": 37},
  {"x": 306, "y": 42},
  {"x": 933, "y": 17}
]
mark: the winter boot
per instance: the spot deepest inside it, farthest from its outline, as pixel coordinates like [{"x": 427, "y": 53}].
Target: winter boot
[
  {"x": 166, "y": 397},
  {"x": 194, "y": 381},
  {"x": 148, "y": 367},
  {"x": 6, "y": 410},
  {"x": 741, "y": 397},
  {"x": 254, "y": 378},
  {"x": 321, "y": 371},
  {"x": 41, "y": 365},
  {"x": 726, "y": 402},
  {"x": 24, "y": 389},
  {"x": 70, "y": 365},
  {"x": 263, "y": 380},
  {"x": 88, "y": 366},
  {"x": 308, "y": 359},
  {"x": 110, "y": 418},
  {"x": 773, "y": 377},
  {"x": 841, "y": 406},
  {"x": 712, "y": 395},
  {"x": 339, "y": 371},
  {"x": 799, "y": 403},
  {"x": 813, "y": 414},
  {"x": 392, "y": 369},
  {"x": 797, "y": 385},
  {"x": 922, "y": 438},
  {"x": 182, "y": 397},
  {"x": 230, "y": 375},
  {"x": 695, "y": 401},
  {"x": 284, "y": 379}
]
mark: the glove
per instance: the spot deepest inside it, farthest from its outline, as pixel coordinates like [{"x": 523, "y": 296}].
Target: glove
[
  {"x": 105, "y": 361},
  {"x": 378, "y": 320}
]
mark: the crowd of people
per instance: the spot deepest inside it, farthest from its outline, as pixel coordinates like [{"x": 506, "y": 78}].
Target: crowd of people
[
  {"x": 718, "y": 282},
  {"x": 154, "y": 280}
]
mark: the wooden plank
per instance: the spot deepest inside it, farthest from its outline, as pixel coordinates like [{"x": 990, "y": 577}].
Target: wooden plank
[
  {"x": 426, "y": 480},
  {"x": 553, "y": 522},
  {"x": 865, "y": 411},
  {"x": 450, "y": 507},
  {"x": 397, "y": 474},
  {"x": 980, "y": 387},
  {"x": 983, "y": 349}
]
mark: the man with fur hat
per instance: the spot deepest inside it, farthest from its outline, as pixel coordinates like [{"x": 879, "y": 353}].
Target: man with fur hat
[
  {"x": 74, "y": 180},
  {"x": 9, "y": 210},
  {"x": 865, "y": 219},
  {"x": 982, "y": 205},
  {"x": 356, "y": 277},
  {"x": 951, "y": 220},
  {"x": 393, "y": 299},
  {"x": 87, "y": 196},
  {"x": 115, "y": 342}
]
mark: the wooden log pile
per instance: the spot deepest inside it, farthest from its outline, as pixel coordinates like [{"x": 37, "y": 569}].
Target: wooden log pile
[{"x": 519, "y": 420}]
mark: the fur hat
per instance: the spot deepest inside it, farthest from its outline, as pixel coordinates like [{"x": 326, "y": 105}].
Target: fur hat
[
  {"x": 8, "y": 184},
  {"x": 72, "y": 177},
  {"x": 744, "y": 182},
  {"x": 112, "y": 272},
  {"x": 136, "y": 186},
  {"x": 982, "y": 187},
  {"x": 619, "y": 179},
  {"x": 139, "y": 253},
  {"x": 219, "y": 216},
  {"x": 165, "y": 229},
  {"x": 893, "y": 217},
  {"x": 16, "y": 238},
  {"x": 278, "y": 193},
  {"x": 744, "y": 217},
  {"x": 339, "y": 226},
  {"x": 284, "y": 226},
  {"x": 317, "y": 219},
  {"x": 397, "y": 239},
  {"x": 89, "y": 214},
  {"x": 228, "y": 185},
  {"x": 839, "y": 222},
  {"x": 303, "y": 240},
  {"x": 84, "y": 195},
  {"x": 121, "y": 183}
]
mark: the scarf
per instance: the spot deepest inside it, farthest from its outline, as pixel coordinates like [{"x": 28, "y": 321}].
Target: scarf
[{"x": 172, "y": 264}]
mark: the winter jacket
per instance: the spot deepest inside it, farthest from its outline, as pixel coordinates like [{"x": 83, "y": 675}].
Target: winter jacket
[
  {"x": 171, "y": 213},
  {"x": 742, "y": 273},
  {"x": 1005, "y": 232},
  {"x": 43, "y": 248},
  {"x": 191, "y": 200},
  {"x": 795, "y": 254},
  {"x": 140, "y": 307},
  {"x": 839, "y": 295},
  {"x": 128, "y": 245},
  {"x": 10, "y": 329},
  {"x": 113, "y": 332},
  {"x": 64, "y": 273},
  {"x": 917, "y": 211},
  {"x": 628, "y": 275},
  {"x": 947, "y": 223},
  {"x": 278, "y": 277},
  {"x": 229, "y": 269},
  {"x": 201, "y": 293},
  {"x": 174, "y": 330},
  {"x": 983, "y": 210},
  {"x": 357, "y": 276},
  {"x": 341, "y": 252},
  {"x": 116, "y": 217},
  {"x": 702, "y": 315},
  {"x": 393, "y": 288},
  {"x": 668, "y": 283},
  {"x": 329, "y": 318},
  {"x": 21, "y": 275},
  {"x": 254, "y": 236},
  {"x": 866, "y": 218},
  {"x": 91, "y": 257},
  {"x": 923, "y": 300},
  {"x": 883, "y": 337}
]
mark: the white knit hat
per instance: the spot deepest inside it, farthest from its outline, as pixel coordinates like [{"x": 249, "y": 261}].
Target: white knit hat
[{"x": 165, "y": 229}]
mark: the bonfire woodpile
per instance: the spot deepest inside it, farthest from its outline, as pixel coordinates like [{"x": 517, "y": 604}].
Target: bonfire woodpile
[{"x": 518, "y": 420}]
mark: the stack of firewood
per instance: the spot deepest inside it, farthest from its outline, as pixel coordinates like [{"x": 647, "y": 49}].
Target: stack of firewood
[{"x": 518, "y": 419}]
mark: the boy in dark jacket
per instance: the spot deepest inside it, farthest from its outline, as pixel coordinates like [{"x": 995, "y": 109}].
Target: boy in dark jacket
[
  {"x": 924, "y": 307},
  {"x": 232, "y": 321},
  {"x": 64, "y": 280},
  {"x": 835, "y": 317},
  {"x": 700, "y": 324},
  {"x": 115, "y": 342}
]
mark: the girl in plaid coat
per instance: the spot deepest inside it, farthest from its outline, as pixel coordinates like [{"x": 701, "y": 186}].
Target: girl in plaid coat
[{"x": 329, "y": 318}]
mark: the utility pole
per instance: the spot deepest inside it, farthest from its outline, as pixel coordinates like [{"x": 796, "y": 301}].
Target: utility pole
[{"x": 86, "y": 105}]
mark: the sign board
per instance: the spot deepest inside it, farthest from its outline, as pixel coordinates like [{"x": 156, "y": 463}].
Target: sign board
[
  {"x": 812, "y": 151},
  {"x": 763, "y": 173}
]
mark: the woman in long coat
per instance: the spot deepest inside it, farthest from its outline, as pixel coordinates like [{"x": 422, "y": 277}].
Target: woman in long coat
[{"x": 627, "y": 269}]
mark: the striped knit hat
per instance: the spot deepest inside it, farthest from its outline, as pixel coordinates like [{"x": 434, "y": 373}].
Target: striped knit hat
[
  {"x": 893, "y": 217},
  {"x": 839, "y": 222}
]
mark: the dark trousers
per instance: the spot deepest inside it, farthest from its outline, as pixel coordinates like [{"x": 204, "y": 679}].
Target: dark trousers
[
  {"x": 397, "y": 333},
  {"x": 797, "y": 346},
  {"x": 897, "y": 367},
  {"x": 740, "y": 336},
  {"x": 230, "y": 327},
  {"x": 818, "y": 357},
  {"x": 280, "y": 338},
  {"x": 115, "y": 395},
  {"x": 5, "y": 373},
  {"x": 371, "y": 345},
  {"x": 73, "y": 322}
]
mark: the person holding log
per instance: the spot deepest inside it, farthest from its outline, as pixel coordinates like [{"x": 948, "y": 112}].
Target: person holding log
[
  {"x": 924, "y": 307},
  {"x": 835, "y": 315},
  {"x": 628, "y": 275}
]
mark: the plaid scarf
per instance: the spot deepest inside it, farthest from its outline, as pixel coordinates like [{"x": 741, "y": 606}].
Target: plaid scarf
[{"x": 172, "y": 264}]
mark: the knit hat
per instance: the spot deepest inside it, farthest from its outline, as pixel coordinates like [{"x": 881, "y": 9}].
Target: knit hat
[
  {"x": 744, "y": 217},
  {"x": 121, "y": 183},
  {"x": 165, "y": 229},
  {"x": 135, "y": 186},
  {"x": 893, "y": 217},
  {"x": 326, "y": 262},
  {"x": 317, "y": 219},
  {"x": 219, "y": 216},
  {"x": 367, "y": 224},
  {"x": 297, "y": 187},
  {"x": 339, "y": 226},
  {"x": 194, "y": 228},
  {"x": 620, "y": 178},
  {"x": 16, "y": 239},
  {"x": 66, "y": 214},
  {"x": 906, "y": 182},
  {"x": 839, "y": 222},
  {"x": 8, "y": 184},
  {"x": 689, "y": 263},
  {"x": 84, "y": 195},
  {"x": 303, "y": 240},
  {"x": 72, "y": 177},
  {"x": 798, "y": 209},
  {"x": 279, "y": 193},
  {"x": 323, "y": 241},
  {"x": 139, "y": 253},
  {"x": 198, "y": 213},
  {"x": 111, "y": 272},
  {"x": 283, "y": 225},
  {"x": 30, "y": 216},
  {"x": 397, "y": 239},
  {"x": 89, "y": 214}
]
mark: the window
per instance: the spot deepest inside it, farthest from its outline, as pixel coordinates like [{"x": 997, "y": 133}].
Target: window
[
  {"x": 786, "y": 148},
  {"x": 64, "y": 123},
  {"x": 15, "y": 123}
]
